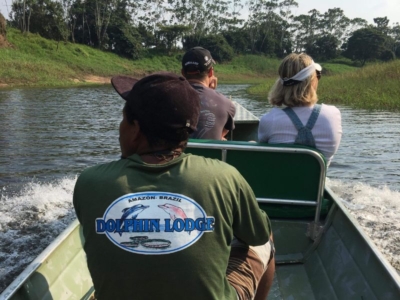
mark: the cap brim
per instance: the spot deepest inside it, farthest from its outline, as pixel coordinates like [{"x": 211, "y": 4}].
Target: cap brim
[
  {"x": 123, "y": 85},
  {"x": 318, "y": 67}
]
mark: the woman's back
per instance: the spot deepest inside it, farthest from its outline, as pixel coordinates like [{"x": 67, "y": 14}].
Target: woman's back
[{"x": 277, "y": 128}]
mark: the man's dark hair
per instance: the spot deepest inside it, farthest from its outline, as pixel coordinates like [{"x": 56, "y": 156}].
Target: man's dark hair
[{"x": 196, "y": 76}]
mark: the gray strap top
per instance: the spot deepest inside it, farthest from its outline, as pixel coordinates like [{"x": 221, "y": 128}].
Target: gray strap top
[{"x": 304, "y": 136}]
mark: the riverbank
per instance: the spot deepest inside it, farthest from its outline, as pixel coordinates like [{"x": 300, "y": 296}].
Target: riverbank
[
  {"x": 33, "y": 61},
  {"x": 374, "y": 87}
]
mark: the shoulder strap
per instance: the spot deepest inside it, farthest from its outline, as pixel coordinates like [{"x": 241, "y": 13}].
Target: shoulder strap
[
  {"x": 314, "y": 116},
  {"x": 304, "y": 135},
  {"x": 292, "y": 116}
]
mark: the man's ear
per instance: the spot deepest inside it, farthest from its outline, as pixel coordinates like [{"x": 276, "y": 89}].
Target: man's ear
[
  {"x": 183, "y": 73},
  {"x": 211, "y": 72},
  {"x": 135, "y": 130}
]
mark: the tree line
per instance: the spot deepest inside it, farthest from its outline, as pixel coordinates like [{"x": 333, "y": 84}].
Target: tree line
[{"x": 133, "y": 28}]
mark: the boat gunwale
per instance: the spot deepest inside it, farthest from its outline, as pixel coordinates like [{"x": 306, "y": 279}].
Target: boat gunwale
[
  {"x": 17, "y": 283},
  {"x": 391, "y": 270}
]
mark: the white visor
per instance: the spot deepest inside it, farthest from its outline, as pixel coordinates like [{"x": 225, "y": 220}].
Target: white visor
[{"x": 302, "y": 75}]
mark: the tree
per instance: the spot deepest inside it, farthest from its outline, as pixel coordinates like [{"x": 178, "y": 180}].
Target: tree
[
  {"x": 237, "y": 39},
  {"x": 287, "y": 18},
  {"x": 216, "y": 44},
  {"x": 169, "y": 35},
  {"x": 364, "y": 45},
  {"x": 354, "y": 24},
  {"x": 307, "y": 29},
  {"x": 261, "y": 25},
  {"x": 334, "y": 23},
  {"x": 124, "y": 40},
  {"x": 148, "y": 39},
  {"x": 395, "y": 35},
  {"x": 382, "y": 24},
  {"x": 44, "y": 17},
  {"x": 20, "y": 14},
  {"x": 324, "y": 48}
]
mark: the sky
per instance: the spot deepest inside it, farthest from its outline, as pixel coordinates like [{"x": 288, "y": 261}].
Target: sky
[{"x": 365, "y": 9}]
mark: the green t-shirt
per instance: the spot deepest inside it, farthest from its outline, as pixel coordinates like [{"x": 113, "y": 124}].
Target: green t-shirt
[{"x": 164, "y": 231}]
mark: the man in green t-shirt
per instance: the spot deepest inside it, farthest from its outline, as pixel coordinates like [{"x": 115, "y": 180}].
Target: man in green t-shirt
[{"x": 162, "y": 224}]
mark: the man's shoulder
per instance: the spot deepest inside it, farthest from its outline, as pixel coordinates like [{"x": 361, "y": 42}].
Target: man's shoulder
[
  {"x": 215, "y": 93},
  {"x": 100, "y": 169},
  {"x": 208, "y": 91},
  {"x": 213, "y": 165}
]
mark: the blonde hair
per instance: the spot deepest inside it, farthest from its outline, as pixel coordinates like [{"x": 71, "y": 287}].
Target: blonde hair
[{"x": 301, "y": 94}]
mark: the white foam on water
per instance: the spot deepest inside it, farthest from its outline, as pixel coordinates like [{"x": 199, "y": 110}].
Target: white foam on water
[
  {"x": 30, "y": 221},
  {"x": 378, "y": 212}
]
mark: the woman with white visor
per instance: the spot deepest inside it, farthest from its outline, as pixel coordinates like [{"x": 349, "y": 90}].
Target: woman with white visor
[{"x": 301, "y": 120}]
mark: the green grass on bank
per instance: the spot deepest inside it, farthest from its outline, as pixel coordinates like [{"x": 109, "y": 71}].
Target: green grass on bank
[
  {"x": 329, "y": 70},
  {"x": 374, "y": 87},
  {"x": 35, "y": 61},
  {"x": 248, "y": 68}
]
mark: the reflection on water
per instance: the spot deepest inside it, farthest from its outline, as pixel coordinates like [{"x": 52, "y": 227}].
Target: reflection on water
[
  {"x": 370, "y": 148},
  {"x": 47, "y": 133}
]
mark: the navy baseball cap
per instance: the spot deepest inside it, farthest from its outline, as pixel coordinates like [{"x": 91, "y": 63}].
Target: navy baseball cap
[{"x": 197, "y": 60}]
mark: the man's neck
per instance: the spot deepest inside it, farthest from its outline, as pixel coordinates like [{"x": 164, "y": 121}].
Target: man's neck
[
  {"x": 160, "y": 156},
  {"x": 198, "y": 81}
]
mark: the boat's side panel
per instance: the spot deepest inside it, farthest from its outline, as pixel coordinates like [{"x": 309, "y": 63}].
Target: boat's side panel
[
  {"x": 244, "y": 131},
  {"x": 343, "y": 264},
  {"x": 352, "y": 264},
  {"x": 333, "y": 260},
  {"x": 61, "y": 274}
]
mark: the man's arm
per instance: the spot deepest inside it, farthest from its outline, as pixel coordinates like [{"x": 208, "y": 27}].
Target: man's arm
[
  {"x": 224, "y": 133},
  {"x": 251, "y": 225}
]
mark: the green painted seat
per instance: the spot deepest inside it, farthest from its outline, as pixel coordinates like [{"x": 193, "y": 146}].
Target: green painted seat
[{"x": 288, "y": 180}]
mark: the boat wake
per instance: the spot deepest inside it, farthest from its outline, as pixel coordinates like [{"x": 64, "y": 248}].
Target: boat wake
[
  {"x": 32, "y": 218},
  {"x": 29, "y": 221},
  {"x": 378, "y": 212}
]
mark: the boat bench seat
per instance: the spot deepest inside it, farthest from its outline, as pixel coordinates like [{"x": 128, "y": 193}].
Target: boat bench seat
[{"x": 292, "y": 176}]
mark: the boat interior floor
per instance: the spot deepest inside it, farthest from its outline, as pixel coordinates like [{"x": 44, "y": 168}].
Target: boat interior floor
[{"x": 337, "y": 265}]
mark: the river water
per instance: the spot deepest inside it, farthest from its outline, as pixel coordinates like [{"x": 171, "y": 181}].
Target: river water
[{"x": 48, "y": 136}]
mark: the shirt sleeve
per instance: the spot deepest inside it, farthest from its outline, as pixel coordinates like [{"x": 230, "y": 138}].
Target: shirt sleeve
[
  {"x": 329, "y": 132},
  {"x": 264, "y": 128},
  {"x": 77, "y": 197},
  {"x": 251, "y": 225}
]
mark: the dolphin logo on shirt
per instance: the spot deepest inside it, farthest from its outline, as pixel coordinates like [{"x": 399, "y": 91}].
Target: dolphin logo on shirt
[
  {"x": 175, "y": 212},
  {"x": 132, "y": 212}
]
